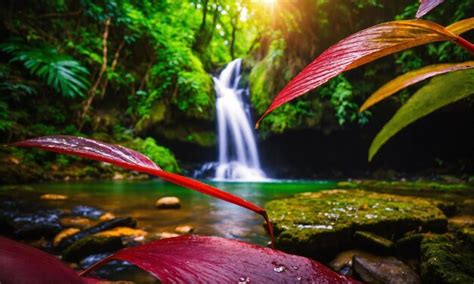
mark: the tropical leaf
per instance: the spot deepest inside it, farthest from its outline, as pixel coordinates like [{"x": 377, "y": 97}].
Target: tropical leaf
[
  {"x": 461, "y": 26},
  {"x": 441, "y": 91},
  {"x": 411, "y": 78},
  {"x": 426, "y": 6},
  {"x": 129, "y": 159},
  {"x": 361, "y": 48},
  {"x": 199, "y": 259},
  {"x": 59, "y": 71},
  {"x": 20, "y": 263}
]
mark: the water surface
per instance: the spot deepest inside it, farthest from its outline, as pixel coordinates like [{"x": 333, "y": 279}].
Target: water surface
[{"x": 207, "y": 215}]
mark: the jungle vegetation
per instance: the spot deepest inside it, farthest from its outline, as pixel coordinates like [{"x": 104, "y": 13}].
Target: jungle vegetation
[{"x": 122, "y": 70}]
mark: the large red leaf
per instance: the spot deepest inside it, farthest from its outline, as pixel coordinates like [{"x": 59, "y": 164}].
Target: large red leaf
[
  {"x": 129, "y": 159},
  {"x": 199, "y": 259},
  {"x": 20, "y": 263},
  {"x": 361, "y": 48},
  {"x": 426, "y": 6}
]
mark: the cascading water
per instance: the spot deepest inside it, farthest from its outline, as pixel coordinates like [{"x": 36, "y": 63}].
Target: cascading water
[{"x": 238, "y": 154}]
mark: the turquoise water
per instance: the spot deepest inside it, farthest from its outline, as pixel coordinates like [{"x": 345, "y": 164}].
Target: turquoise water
[{"x": 207, "y": 215}]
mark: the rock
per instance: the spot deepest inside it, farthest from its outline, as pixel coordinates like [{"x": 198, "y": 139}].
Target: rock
[
  {"x": 185, "y": 229},
  {"x": 49, "y": 196},
  {"x": 373, "y": 241},
  {"x": 122, "y": 232},
  {"x": 63, "y": 234},
  {"x": 44, "y": 223},
  {"x": 75, "y": 222},
  {"x": 446, "y": 259},
  {"x": 107, "y": 216},
  {"x": 103, "y": 226},
  {"x": 384, "y": 270},
  {"x": 323, "y": 223},
  {"x": 343, "y": 261},
  {"x": 91, "y": 245},
  {"x": 118, "y": 176},
  {"x": 410, "y": 244},
  {"x": 169, "y": 202},
  {"x": 87, "y": 211},
  {"x": 166, "y": 235}
]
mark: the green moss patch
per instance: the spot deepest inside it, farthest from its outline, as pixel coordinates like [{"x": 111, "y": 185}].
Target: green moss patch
[{"x": 317, "y": 224}]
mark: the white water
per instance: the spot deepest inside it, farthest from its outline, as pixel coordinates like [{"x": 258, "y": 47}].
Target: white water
[{"x": 238, "y": 154}]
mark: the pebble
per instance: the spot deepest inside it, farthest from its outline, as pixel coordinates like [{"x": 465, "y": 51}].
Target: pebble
[{"x": 169, "y": 202}]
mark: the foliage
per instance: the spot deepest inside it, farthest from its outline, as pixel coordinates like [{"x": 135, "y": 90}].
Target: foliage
[
  {"x": 59, "y": 71},
  {"x": 441, "y": 91},
  {"x": 158, "y": 154}
]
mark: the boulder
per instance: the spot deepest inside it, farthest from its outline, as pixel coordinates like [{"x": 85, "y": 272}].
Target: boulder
[
  {"x": 91, "y": 245},
  {"x": 323, "y": 223},
  {"x": 447, "y": 259},
  {"x": 122, "y": 232},
  {"x": 169, "y": 202},
  {"x": 388, "y": 270}
]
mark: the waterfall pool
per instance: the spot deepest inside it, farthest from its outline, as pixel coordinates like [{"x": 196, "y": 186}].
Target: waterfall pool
[{"x": 207, "y": 215}]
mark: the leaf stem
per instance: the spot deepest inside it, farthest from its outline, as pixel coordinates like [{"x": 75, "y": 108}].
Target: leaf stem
[{"x": 465, "y": 44}]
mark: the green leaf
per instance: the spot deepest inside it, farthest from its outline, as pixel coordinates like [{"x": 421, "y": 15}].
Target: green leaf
[{"x": 441, "y": 91}]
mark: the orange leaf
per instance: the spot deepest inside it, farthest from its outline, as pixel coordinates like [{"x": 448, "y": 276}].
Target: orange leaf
[
  {"x": 461, "y": 26},
  {"x": 411, "y": 78},
  {"x": 358, "y": 49},
  {"x": 426, "y": 6}
]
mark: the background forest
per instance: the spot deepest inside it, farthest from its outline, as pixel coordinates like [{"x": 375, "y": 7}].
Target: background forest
[{"x": 138, "y": 73}]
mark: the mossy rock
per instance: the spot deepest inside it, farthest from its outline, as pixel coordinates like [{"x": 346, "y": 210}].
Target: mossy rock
[
  {"x": 446, "y": 259},
  {"x": 91, "y": 245},
  {"x": 323, "y": 223}
]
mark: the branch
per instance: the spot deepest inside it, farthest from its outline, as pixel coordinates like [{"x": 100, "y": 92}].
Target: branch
[
  {"x": 112, "y": 67},
  {"x": 103, "y": 68}
]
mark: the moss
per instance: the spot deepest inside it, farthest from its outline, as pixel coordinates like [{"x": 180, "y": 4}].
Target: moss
[
  {"x": 410, "y": 186},
  {"x": 373, "y": 241},
  {"x": 445, "y": 259},
  {"x": 157, "y": 114},
  {"x": 162, "y": 156},
  {"x": 91, "y": 245},
  {"x": 319, "y": 223}
]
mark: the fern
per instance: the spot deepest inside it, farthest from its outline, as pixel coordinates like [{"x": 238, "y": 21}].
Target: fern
[{"x": 59, "y": 71}]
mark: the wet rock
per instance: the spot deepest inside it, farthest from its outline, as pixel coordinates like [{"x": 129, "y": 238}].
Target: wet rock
[
  {"x": 122, "y": 232},
  {"x": 373, "y": 241},
  {"x": 64, "y": 234},
  {"x": 49, "y": 196},
  {"x": 166, "y": 235},
  {"x": 91, "y": 245},
  {"x": 384, "y": 270},
  {"x": 43, "y": 223},
  {"x": 103, "y": 226},
  {"x": 107, "y": 216},
  {"x": 323, "y": 223},
  {"x": 185, "y": 229},
  {"x": 75, "y": 222},
  {"x": 169, "y": 202},
  {"x": 447, "y": 259},
  {"x": 118, "y": 176},
  {"x": 342, "y": 263},
  {"x": 87, "y": 211}
]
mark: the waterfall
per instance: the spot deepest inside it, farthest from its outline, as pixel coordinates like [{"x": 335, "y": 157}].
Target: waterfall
[{"x": 238, "y": 153}]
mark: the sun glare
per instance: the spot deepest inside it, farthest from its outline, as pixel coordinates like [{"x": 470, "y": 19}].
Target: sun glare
[{"x": 270, "y": 3}]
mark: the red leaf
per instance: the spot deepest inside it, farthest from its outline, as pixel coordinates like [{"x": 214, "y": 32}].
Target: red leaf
[
  {"x": 426, "y": 6},
  {"x": 199, "y": 259},
  {"x": 20, "y": 263},
  {"x": 361, "y": 48},
  {"x": 129, "y": 159}
]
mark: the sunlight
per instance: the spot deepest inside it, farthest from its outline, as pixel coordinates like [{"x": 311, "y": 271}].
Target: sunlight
[{"x": 270, "y": 3}]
